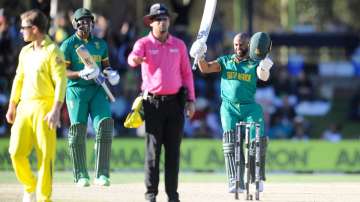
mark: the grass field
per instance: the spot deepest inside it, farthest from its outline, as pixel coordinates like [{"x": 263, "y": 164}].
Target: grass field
[
  {"x": 8, "y": 177},
  {"x": 129, "y": 187}
]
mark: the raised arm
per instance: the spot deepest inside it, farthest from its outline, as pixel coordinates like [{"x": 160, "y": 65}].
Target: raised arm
[
  {"x": 198, "y": 50},
  {"x": 208, "y": 67}
]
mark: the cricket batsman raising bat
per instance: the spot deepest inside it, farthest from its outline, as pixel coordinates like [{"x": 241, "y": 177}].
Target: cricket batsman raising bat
[
  {"x": 198, "y": 48},
  {"x": 87, "y": 94}
]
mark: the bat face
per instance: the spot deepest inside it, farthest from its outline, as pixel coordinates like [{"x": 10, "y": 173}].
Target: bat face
[
  {"x": 207, "y": 18},
  {"x": 85, "y": 56},
  {"x": 203, "y": 33},
  {"x": 206, "y": 21},
  {"x": 87, "y": 59}
]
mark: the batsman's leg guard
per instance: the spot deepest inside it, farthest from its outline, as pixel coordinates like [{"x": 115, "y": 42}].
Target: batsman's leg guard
[
  {"x": 263, "y": 147},
  {"x": 252, "y": 164},
  {"x": 229, "y": 155},
  {"x": 77, "y": 136},
  {"x": 103, "y": 147}
]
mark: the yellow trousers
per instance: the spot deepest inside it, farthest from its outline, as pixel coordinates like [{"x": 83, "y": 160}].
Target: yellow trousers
[{"x": 31, "y": 131}]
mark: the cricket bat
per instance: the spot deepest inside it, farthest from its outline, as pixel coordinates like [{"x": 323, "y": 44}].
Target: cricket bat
[
  {"x": 86, "y": 58},
  {"x": 205, "y": 25}
]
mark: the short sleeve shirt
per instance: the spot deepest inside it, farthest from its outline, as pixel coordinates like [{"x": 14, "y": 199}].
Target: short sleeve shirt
[
  {"x": 238, "y": 79},
  {"x": 97, "y": 48}
]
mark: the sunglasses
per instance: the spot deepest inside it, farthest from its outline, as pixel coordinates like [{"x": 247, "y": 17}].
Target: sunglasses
[
  {"x": 26, "y": 27},
  {"x": 160, "y": 18}
]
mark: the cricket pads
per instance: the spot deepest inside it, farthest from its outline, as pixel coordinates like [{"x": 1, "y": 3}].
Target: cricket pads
[{"x": 103, "y": 147}]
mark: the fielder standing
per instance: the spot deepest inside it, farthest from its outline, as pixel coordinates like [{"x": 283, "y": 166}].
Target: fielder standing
[
  {"x": 239, "y": 75},
  {"x": 166, "y": 73},
  {"x": 34, "y": 108},
  {"x": 85, "y": 97}
]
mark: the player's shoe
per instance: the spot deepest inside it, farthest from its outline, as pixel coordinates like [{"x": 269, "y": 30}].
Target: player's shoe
[
  {"x": 102, "y": 181},
  {"x": 29, "y": 197},
  {"x": 232, "y": 189},
  {"x": 83, "y": 182}
]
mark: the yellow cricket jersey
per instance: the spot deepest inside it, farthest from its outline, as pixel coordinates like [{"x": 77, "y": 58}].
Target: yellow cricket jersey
[{"x": 41, "y": 74}]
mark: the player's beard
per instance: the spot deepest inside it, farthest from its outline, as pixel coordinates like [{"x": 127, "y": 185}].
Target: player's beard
[
  {"x": 83, "y": 32},
  {"x": 85, "y": 28},
  {"x": 242, "y": 52}
]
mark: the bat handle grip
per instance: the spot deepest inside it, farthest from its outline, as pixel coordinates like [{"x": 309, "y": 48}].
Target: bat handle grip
[{"x": 196, "y": 60}]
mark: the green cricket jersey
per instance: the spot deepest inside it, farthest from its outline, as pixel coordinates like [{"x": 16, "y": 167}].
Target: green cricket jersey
[
  {"x": 97, "y": 48},
  {"x": 238, "y": 79}
]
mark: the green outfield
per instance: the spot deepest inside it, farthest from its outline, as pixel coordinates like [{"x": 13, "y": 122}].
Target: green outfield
[
  {"x": 134, "y": 177},
  {"x": 206, "y": 155}
]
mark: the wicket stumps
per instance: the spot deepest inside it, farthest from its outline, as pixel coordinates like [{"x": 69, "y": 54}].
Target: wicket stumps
[{"x": 238, "y": 146}]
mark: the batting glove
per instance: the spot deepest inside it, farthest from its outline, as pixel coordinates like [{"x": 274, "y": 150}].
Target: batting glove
[
  {"x": 89, "y": 73},
  {"x": 266, "y": 63},
  {"x": 198, "y": 49},
  {"x": 112, "y": 76},
  {"x": 263, "y": 70}
]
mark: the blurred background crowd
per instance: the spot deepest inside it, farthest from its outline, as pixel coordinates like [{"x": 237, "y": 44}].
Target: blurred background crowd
[{"x": 314, "y": 90}]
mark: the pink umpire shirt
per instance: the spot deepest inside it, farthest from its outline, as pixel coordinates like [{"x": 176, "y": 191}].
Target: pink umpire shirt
[{"x": 166, "y": 67}]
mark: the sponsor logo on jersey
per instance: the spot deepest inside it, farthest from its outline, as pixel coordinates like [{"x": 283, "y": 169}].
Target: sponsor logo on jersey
[
  {"x": 231, "y": 75},
  {"x": 153, "y": 51},
  {"x": 97, "y": 45},
  {"x": 174, "y": 50},
  {"x": 59, "y": 60}
]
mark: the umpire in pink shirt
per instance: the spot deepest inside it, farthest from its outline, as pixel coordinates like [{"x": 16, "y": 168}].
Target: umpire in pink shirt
[{"x": 167, "y": 77}]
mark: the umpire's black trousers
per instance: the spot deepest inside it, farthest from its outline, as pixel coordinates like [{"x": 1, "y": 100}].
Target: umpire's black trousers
[{"x": 164, "y": 122}]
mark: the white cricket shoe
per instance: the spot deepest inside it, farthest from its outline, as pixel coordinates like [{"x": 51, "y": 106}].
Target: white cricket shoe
[
  {"x": 232, "y": 189},
  {"x": 29, "y": 197},
  {"x": 102, "y": 181},
  {"x": 83, "y": 182}
]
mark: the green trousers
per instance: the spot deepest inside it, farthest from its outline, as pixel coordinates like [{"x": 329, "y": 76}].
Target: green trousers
[
  {"x": 84, "y": 101},
  {"x": 232, "y": 113}
]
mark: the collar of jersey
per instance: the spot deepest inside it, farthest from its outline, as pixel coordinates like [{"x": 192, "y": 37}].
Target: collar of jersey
[
  {"x": 46, "y": 41},
  {"x": 169, "y": 40},
  {"x": 243, "y": 60},
  {"x": 84, "y": 40}
]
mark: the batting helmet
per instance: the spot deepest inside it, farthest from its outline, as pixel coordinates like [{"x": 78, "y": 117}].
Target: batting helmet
[
  {"x": 80, "y": 14},
  {"x": 83, "y": 13},
  {"x": 260, "y": 45}
]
